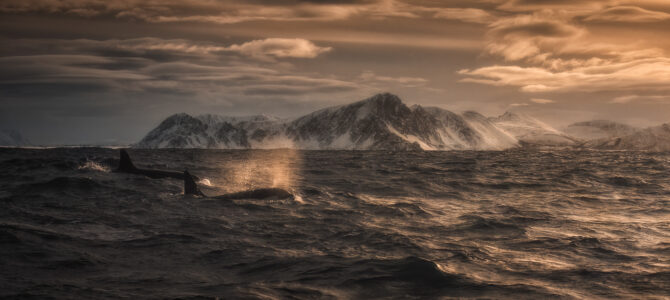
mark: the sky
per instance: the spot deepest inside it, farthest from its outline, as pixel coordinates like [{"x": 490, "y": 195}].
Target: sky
[{"x": 97, "y": 71}]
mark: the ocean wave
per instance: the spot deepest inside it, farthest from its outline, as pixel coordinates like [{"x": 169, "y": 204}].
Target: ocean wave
[
  {"x": 397, "y": 225},
  {"x": 79, "y": 184}
]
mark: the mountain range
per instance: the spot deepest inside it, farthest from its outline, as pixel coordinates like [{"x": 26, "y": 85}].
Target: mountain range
[
  {"x": 384, "y": 122},
  {"x": 12, "y": 138}
]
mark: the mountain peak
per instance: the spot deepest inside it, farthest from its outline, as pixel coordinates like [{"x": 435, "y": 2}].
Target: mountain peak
[
  {"x": 385, "y": 106},
  {"x": 179, "y": 116},
  {"x": 180, "y": 119},
  {"x": 385, "y": 99}
]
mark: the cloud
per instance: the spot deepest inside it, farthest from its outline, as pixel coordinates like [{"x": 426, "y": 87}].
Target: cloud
[
  {"x": 224, "y": 12},
  {"x": 155, "y": 44},
  {"x": 262, "y": 49},
  {"x": 569, "y": 5},
  {"x": 371, "y": 77},
  {"x": 62, "y": 68},
  {"x": 651, "y": 73},
  {"x": 471, "y": 15},
  {"x": 530, "y": 36},
  {"x": 278, "y": 47},
  {"x": 154, "y": 68},
  {"x": 548, "y": 46},
  {"x": 533, "y": 26},
  {"x": 552, "y": 36},
  {"x": 229, "y": 12},
  {"x": 534, "y": 100},
  {"x": 631, "y": 98},
  {"x": 238, "y": 11},
  {"x": 214, "y": 81},
  {"x": 542, "y": 101},
  {"x": 265, "y": 49},
  {"x": 627, "y": 14},
  {"x": 87, "y": 66}
]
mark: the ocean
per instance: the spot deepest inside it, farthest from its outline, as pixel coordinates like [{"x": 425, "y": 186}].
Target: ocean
[{"x": 518, "y": 224}]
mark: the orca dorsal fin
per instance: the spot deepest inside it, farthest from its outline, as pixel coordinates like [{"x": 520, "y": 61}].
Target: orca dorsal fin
[
  {"x": 190, "y": 187},
  {"x": 125, "y": 164}
]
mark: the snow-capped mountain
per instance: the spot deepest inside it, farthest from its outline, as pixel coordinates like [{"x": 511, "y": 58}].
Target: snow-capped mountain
[
  {"x": 530, "y": 131},
  {"x": 381, "y": 122},
  {"x": 651, "y": 139},
  {"x": 384, "y": 122},
  {"x": 12, "y": 138},
  {"x": 599, "y": 129},
  {"x": 209, "y": 131}
]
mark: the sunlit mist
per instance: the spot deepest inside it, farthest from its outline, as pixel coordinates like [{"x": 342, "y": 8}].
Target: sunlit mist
[{"x": 263, "y": 168}]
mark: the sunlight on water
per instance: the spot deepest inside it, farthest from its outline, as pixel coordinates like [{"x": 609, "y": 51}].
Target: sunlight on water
[{"x": 94, "y": 166}]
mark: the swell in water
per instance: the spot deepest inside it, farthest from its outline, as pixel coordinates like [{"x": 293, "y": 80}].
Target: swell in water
[{"x": 513, "y": 224}]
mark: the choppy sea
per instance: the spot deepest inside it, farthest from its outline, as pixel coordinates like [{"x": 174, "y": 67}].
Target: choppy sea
[{"x": 521, "y": 224}]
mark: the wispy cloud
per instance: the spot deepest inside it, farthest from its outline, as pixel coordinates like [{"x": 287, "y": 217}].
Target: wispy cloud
[
  {"x": 627, "y": 14},
  {"x": 371, "y": 77},
  {"x": 279, "y": 47},
  {"x": 548, "y": 46},
  {"x": 632, "y": 98},
  {"x": 542, "y": 101},
  {"x": 264, "y": 49},
  {"x": 534, "y": 36},
  {"x": 471, "y": 15},
  {"x": 565, "y": 5},
  {"x": 653, "y": 73},
  {"x": 229, "y": 12},
  {"x": 99, "y": 66}
]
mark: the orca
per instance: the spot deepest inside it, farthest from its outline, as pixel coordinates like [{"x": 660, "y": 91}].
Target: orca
[
  {"x": 126, "y": 166},
  {"x": 191, "y": 188}
]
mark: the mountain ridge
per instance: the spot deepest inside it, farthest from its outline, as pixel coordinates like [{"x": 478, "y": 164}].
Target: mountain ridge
[
  {"x": 12, "y": 138},
  {"x": 380, "y": 122},
  {"x": 599, "y": 129}
]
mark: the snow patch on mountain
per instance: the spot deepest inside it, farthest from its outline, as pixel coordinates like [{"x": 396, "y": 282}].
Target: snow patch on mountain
[{"x": 530, "y": 131}]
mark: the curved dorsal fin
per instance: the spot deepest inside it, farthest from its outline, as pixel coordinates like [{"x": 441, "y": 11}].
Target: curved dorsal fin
[
  {"x": 125, "y": 164},
  {"x": 190, "y": 187}
]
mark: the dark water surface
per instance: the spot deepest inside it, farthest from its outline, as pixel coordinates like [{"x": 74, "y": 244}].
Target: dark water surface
[{"x": 515, "y": 224}]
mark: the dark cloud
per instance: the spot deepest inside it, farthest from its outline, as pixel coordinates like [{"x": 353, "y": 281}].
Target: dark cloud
[
  {"x": 223, "y": 12},
  {"x": 231, "y": 12}
]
